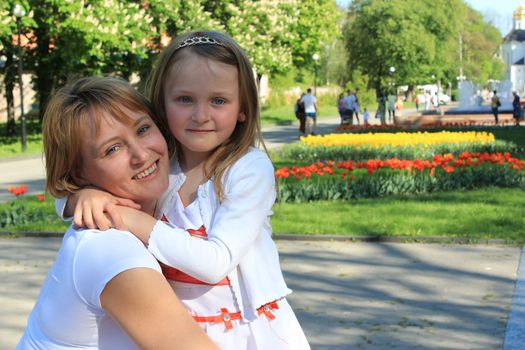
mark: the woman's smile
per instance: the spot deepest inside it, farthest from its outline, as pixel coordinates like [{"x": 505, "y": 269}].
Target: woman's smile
[{"x": 146, "y": 173}]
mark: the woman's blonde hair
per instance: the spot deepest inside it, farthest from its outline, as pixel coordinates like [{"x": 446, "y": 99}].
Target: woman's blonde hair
[
  {"x": 217, "y": 47},
  {"x": 78, "y": 106}
]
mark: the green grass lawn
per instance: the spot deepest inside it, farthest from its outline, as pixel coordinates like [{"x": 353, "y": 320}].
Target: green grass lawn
[
  {"x": 11, "y": 146},
  {"x": 481, "y": 214},
  {"x": 491, "y": 213}
]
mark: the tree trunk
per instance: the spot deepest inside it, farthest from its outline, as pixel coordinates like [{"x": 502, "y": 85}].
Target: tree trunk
[
  {"x": 381, "y": 108},
  {"x": 45, "y": 70},
  {"x": 9, "y": 83}
]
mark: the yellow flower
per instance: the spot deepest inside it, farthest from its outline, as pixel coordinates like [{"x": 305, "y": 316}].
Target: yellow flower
[{"x": 398, "y": 139}]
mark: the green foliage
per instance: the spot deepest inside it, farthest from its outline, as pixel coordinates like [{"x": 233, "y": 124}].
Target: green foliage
[
  {"x": 419, "y": 39},
  {"x": 15, "y": 214},
  {"x": 303, "y": 153},
  {"x": 118, "y": 37},
  {"x": 26, "y": 213},
  {"x": 316, "y": 24}
]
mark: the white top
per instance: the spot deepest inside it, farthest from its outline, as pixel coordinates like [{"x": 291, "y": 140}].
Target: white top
[
  {"x": 68, "y": 313},
  {"x": 239, "y": 243},
  {"x": 349, "y": 102},
  {"x": 309, "y": 102}
]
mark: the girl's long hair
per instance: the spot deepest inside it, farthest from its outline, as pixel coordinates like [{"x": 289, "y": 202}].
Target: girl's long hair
[{"x": 225, "y": 50}]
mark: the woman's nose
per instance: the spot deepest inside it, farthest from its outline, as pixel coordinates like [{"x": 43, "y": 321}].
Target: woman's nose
[{"x": 139, "y": 153}]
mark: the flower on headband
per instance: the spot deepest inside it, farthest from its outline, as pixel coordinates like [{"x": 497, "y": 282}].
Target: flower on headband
[{"x": 199, "y": 40}]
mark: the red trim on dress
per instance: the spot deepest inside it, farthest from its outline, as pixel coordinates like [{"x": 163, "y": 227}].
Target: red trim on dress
[{"x": 173, "y": 274}]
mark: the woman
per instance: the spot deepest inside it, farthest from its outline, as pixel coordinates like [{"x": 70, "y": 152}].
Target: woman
[{"x": 105, "y": 291}]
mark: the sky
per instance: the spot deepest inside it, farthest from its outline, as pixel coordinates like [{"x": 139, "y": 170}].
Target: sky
[{"x": 499, "y": 12}]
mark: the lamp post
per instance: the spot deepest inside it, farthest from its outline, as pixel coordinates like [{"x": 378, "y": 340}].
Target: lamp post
[
  {"x": 315, "y": 56},
  {"x": 19, "y": 12},
  {"x": 392, "y": 70}
]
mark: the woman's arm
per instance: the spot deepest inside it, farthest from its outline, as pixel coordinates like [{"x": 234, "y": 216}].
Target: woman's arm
[{"x": 144, "y": 305}]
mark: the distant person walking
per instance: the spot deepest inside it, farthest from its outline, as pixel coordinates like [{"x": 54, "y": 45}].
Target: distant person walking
[
  {"x": 391, "y": 107},
  {"x": 399, "y": 106},
  {"x": 381, "y": 110},
  {"x": 516, "y": 108},
  {"x": 341, "y": 107},
  {"x": 349, "y": 107},
  {"x": 366, "y": 117},
  {"x": 495, "y": 103},
  {"x": 300, "y": 114},
  {"x": 356, "y": 107},
  {"x": 310, "y": 111},
  {"x": 416, "y": 100}
]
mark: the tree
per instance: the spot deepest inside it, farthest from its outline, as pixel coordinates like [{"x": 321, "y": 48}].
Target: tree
[
  {"x": 8, "y": 29},
  {"x": 316, "y": 27},
  {"x": 480, "y": 43},
  {"x": 419, "y": 39}
]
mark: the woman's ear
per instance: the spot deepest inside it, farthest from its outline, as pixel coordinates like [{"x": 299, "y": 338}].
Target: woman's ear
[{"x": 242, "y": 117}]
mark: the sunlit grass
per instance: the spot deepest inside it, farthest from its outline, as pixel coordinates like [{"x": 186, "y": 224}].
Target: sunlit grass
[{"x": 481, "y": 214}]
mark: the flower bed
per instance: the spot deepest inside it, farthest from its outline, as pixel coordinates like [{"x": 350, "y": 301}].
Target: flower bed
[
  {"x": 304, "y": 153},
  {"x": 378, "y": 178},
  {"x": 399, "y": 139}
]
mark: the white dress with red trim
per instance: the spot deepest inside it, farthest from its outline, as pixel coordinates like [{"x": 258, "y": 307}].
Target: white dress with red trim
[{"x": 214, "y": 306}]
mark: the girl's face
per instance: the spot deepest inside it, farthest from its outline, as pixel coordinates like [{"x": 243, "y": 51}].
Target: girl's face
[
  {"x": 202, "y": 105},
  {"x": 128, "y": 159}
]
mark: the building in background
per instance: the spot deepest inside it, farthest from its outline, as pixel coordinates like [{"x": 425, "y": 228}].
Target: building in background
[{"x": 513, "y": 51}]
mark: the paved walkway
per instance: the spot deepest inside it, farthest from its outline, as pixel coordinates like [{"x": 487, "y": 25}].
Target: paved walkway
[{"x": 346, "y": 295}]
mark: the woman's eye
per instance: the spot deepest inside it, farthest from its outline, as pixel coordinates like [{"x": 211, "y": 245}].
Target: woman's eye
[
  {"x": 143, "y": 129},
  {"x": 219, "y": 101},
  {"x": 112, "y": 150},
  {"x": 184, "y": 99}
]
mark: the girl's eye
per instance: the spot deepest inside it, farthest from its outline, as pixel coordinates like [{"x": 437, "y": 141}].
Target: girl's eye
[
  {"x": 112, "y": 150},
  {"x": 142, "y": 130},
  {"x": 219, "y": 101},
  {"x": 184, "y": 99}
]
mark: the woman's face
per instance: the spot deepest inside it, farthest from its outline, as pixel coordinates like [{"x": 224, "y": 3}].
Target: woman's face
[{"x": 128, "y": 159}]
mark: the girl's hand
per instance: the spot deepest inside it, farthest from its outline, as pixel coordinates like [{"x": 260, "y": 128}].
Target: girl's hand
[
  {"x": 94, "y": 209},
  {"x": 137, "y": 222}
]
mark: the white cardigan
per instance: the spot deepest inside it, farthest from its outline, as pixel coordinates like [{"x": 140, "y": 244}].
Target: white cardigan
[{"x": 239, "y": 242}]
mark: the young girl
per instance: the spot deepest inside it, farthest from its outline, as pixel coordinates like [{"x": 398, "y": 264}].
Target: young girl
[
  {"x": 366, "y": 116},
  {"x": 341, "y": 107},
  {"x": 214, "y": 236}
]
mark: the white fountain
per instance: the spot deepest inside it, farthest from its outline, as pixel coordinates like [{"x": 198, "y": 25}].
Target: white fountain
[{"x": 471, "y": 101}]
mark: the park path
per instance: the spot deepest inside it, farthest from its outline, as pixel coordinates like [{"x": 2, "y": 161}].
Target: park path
[{"x": 373, "y": 296}]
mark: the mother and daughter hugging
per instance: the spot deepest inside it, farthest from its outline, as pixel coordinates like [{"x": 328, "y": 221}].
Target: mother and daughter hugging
[{"x": 170, "y": 246}]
